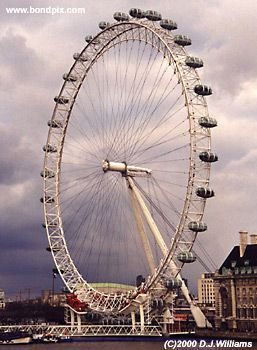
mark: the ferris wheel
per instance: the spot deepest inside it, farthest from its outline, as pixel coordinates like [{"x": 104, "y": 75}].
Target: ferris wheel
[{"x": 127, "y": 162}]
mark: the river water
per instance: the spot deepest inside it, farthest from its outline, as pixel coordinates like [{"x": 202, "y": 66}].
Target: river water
[
  {"x": 91, "y": 345},
  {"x": 158, "y": 344}
]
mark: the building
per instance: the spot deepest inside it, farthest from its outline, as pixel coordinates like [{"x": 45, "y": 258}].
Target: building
[
  {"x": 236, "y": 287},
  {"x": 54, "y": 299},
  {"x": 2, "y": 299},
  {"x": 206, "y": 294}
]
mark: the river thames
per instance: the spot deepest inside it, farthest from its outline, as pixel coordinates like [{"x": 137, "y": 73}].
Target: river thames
[{"x": 158, "y": 344}]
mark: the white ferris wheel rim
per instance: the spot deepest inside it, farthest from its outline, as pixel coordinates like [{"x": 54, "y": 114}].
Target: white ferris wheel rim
[{"x": 198, "y": 173}]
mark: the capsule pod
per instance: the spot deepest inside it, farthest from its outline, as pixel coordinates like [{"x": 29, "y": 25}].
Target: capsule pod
[
  {"x": 197, "y": 226},
  {"x": 78, "y": 57},
  {"x": 49, "y": 148},
  {"x": 103, "y": 25},
  {"x": 61, "y": 100},
  {"x": 186, "y": 257},
  {"x": 47, "y": 174},
  {"x": 55, "y": 124},
  {"x": 208, "y": 157},
  {"x": 157, "y": 303},
  {"x": 153, "y": 15},
  {"x": 194, "y": 62},
  {"x": 204, "y": 192},
  {"x": 47, "y": 199},
  {"x": 120, "y": 16},
  {"x": 53, "y": 223},
  {"x": 207, "y": 122},
  {"x": 168, "y": 24},
  {"x": 173, "y": 283},
  {"x": 69, "y": 77},
  {"x": 182, "y": 40},
  {"x": 202, "y": 90},
  {"x": 137, "y": 13},
  {"x": 90, "y": 38},
  {"x": 53, "y": 249}
]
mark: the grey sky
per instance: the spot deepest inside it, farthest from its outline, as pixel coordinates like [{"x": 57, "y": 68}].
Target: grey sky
[{"x": 35, "y": 50}]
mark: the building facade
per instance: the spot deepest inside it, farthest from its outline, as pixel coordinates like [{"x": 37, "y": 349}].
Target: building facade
[
  {"x": 206, "y": 293},
  {"x": 235, "y": 286}
]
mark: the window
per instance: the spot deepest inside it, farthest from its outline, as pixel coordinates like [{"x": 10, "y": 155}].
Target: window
[
  {"x": 246, "y": 263},
  {"x": 233, "y": 263},
  {"x": 243, "y": 313}
]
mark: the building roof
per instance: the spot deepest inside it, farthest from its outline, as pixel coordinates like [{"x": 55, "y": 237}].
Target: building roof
[{"x": 233, "y": 261}]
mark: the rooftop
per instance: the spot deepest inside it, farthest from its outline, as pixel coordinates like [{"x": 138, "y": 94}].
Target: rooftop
[{"x": 245, "y": 264}]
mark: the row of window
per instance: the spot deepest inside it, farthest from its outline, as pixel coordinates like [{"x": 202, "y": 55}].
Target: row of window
[
  {"x": 246, "y": 313},
  {"x": 247, "y": 291}
]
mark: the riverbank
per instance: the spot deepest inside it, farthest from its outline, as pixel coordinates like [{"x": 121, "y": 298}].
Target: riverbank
[{"x": 215, "y": 334}]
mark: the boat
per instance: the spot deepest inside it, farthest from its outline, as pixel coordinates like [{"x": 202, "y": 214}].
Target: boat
[
  {"x": 44, "y": 338},
  {"x": 11, "y": 337},
  {"x": 50, "y": 338}
]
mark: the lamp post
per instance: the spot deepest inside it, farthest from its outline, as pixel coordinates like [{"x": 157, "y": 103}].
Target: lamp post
[{"x": 54, "y": 274}]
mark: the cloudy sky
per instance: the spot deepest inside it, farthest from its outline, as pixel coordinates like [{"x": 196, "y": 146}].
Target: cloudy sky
[{"x": 35, "y": 50}]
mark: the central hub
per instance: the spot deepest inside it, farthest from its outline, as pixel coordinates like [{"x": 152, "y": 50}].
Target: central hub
[{"x": 124, "y": 169}]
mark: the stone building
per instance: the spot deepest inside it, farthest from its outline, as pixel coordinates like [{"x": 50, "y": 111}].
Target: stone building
[
  {"x": 205, "y": 288},
  {"x": 235, "y": 286}
]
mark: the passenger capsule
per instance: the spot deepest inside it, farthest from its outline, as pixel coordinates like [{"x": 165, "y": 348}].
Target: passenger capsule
[
  {"x": 91, "y": 39},
  {"x": 69, "y": 77},
  {"x": 197, "y": 226},
  {"x": 173, "y": 283},
  {"x": 182, "y": 40},
  {"x": 47, "y": 174},
  {"x": 157, "y": 303},
  {"x": 168, "y": 24},
  {"x": 137, "y": 13},
  {"x": 49, "y": 148},
  {"x": 204, "y": 192},
  {"x": 194, "y": 62},
  {"x": 120, "y": 16},
  {"x": 207, "y": 122},
  {"x": 103, "y": 25},
  {"x": 61, "y": 100},
  {"x": 50, "y": 224},
  {"x": 53, "y": 249},
  {"x": 153, "y": 15},
  {"x": 208, "y": 157},
  {"x": 186, "y": 257},
  {"x": 53, "y": 224},
  {"x": 55, "y": 124},
  {"x": 202, "y": 90},
  {"x": 47, "y": 199},
  {"x": 78, "y": 57}
]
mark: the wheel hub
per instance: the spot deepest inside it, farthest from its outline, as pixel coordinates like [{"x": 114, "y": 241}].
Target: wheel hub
[{"x": 124, "y": 169}]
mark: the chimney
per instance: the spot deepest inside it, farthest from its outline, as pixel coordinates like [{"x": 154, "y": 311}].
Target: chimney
[
  {"x": 253, "y": 238},
  {"x": 243, "y": 241}
]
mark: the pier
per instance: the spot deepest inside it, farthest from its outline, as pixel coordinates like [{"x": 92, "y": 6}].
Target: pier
[{"x": 86, "y": 330}]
